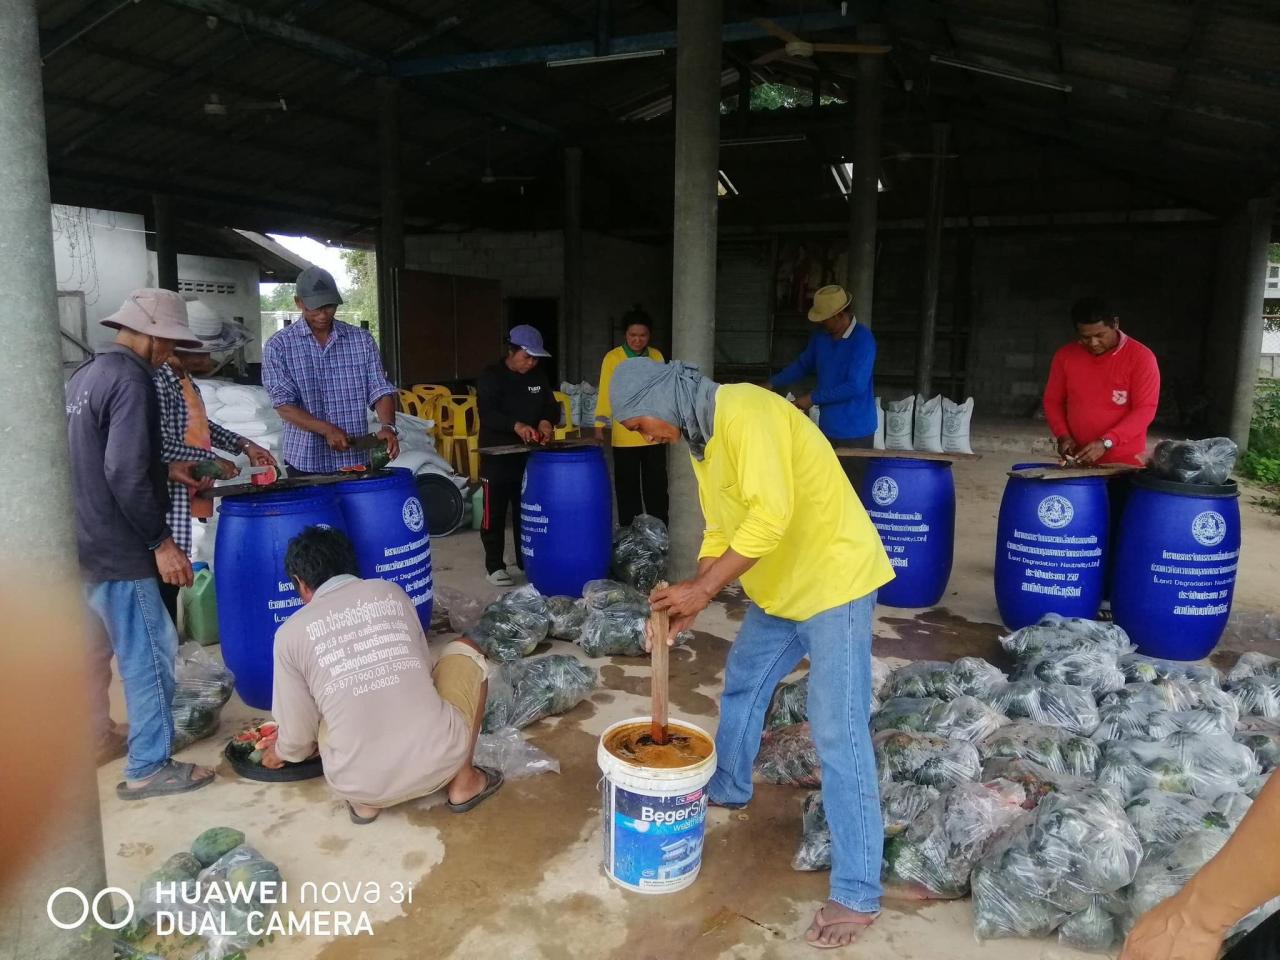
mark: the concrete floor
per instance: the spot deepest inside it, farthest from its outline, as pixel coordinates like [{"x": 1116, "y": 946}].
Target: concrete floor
[{"x": 520, "y": 877}]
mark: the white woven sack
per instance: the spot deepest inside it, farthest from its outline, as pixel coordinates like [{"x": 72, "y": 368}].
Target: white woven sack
[
  {"x": 898, "y": 416},
  {"x": 878, "y": 442},
  {"x": 928, "y": 425},
  {"x": 235, "y": 413},
  {"x": 956, "y": 420},
  {"x": 240, "y": 395}
]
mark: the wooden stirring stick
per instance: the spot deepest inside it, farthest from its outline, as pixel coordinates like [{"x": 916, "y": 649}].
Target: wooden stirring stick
[{"x": 659, "y": 622}]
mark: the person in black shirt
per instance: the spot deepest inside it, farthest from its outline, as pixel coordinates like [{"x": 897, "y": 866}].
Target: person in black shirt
[{"x": 516, "y": 402}]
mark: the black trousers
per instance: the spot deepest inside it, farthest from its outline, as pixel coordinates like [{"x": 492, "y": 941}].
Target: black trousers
[
  {"x": 503, "y": 477},
  {"x": 1262, "y": 943},
  {"x": 169, "y": 594},
  {"x": 855, "y": 468},
  {"x": 640, "y": 482}
]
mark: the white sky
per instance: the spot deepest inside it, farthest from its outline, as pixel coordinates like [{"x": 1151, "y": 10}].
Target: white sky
[{"x": 322, "y": 256}]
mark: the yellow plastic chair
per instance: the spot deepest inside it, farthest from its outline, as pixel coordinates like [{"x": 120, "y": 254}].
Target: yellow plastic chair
[
  {"x": 430, "y": 395},
  {"x": 459, "y": 420},
  {"x": 567, "y": 429},
  {"x": 410, "y": 404}
]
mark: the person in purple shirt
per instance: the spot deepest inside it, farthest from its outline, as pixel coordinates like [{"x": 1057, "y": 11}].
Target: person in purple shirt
[
  {"x": 322, "y": 375},
  {"x": 843, "y": 355}
]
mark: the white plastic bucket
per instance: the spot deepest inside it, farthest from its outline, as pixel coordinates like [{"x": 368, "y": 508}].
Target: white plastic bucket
[{"x": 654, "y": 818}]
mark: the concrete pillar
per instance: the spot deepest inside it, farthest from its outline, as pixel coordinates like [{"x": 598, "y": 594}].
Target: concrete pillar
[
  {"x": 37, "y": 541},
  {"x": 932, "y": 261},
  {"x": 391, "y": 225},
  {"x": 693, "y": 294},
  {"x": 571, "y": 321},
  {"x": 863, "y": 196},
  {"x": 1235, "y": 341},
  {"x": 166, "y": 241}
]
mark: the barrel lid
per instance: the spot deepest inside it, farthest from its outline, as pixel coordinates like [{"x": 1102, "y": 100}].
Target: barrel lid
[
  {"x": 442, "y": 502},
  {"x": 1224, "y": 491}
]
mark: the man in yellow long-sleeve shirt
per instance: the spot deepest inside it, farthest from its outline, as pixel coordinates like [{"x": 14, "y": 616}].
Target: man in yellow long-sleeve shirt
[
  {"x": 780, "y": 515},
  {"x": 639, "y": 467}
]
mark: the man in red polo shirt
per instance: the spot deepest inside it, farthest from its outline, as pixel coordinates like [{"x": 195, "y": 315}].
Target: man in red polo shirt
[{"x": 1103, "y": 390}]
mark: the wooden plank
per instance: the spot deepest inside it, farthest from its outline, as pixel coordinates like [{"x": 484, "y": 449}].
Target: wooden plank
[
  {"x": 533, "y": 447},
  {"x": 1052, "y": 472},
  {"x": 905, "y": 455},
  {"x": 659, "y": 623}
]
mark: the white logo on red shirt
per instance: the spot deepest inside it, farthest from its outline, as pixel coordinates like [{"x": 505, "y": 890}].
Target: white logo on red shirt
[{"x": 1119, "y": 397}]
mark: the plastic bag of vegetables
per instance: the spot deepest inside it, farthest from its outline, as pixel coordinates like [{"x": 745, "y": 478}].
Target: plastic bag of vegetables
[
  {"x": 1160, "y": 817},
  {"x": 1257, "y": 696},
  {"x": 616, "y": 616},
  {"x": 790, "y": 704},
  {"x": 965, "y": 718},
  {"x": 1051, "y": 747},
  {"x": 815, "y": 849},
  {"x": 925, "y": 758},
  {"x": 1038, "y": 781},
  {"x": 1262, "y": 736},
  {"x": 464, "y": 610},
  {"x": 789, "y": 756},
  {"x": 1052, "y": 704},
  {"x": 1093, "y": 669},
  {"x": 968, "y": 676},
  {"x": 567, "y": 616},
  {"x": 1057, "y": 634},
  {"x": 640, "y": 552},
  {"x": 513, "y": 625},
  {"x": 202, "y": 687},
  {"x": 1168, "y": 866},
  {"x": 524, "y": 691},
  {"x": 233, "y": 918},
  {"x": 1254, "y": 664},
  {"x": 1053, "y": 862},
  {"x": 1095, "y": 928},
  {"x": 1164, "y": 707},
  {"x": 934, "y": 856},
  {"x": 1204, "y": 765},
  {"x": 1140, "y": 669},
  {"x": 900, "y": 803}
]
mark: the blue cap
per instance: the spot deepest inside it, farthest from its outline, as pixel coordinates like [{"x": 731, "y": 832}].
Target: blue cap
[{"x": 528, "y": 339}]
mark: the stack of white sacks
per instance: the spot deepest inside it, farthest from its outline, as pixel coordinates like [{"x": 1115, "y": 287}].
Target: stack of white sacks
[
  {"x": 937, "y": 425},
  {"x": 582, "y": 403}
]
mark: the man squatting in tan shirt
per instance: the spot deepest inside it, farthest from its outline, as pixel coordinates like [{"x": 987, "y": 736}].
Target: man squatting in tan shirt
[{"x": 354, "y": 679}]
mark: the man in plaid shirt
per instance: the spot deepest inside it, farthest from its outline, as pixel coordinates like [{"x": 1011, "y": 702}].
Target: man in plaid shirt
[
  {"x": 322, "y": 375},
  {"x": 186, "y": 433}
]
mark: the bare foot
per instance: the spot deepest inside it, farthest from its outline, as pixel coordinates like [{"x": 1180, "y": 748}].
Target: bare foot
[
  {"x": 835, "y": 925},
  {"x": 467, "y": 784}
]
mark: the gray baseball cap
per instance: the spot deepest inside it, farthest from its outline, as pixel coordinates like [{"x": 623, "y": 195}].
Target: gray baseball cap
[{"x": 316, "y": 288}]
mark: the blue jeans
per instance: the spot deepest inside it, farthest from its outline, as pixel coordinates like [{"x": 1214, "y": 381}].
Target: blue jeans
[
  {"x": 838, "y": 644},
  {"x": 145, "y": 643}
]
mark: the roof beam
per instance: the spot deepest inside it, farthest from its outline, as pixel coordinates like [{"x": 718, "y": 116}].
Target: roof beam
[
  {"x": 577, "y": 49},
  {"x": 59, "y": 38},
  {"x": 299, "y": 38}
]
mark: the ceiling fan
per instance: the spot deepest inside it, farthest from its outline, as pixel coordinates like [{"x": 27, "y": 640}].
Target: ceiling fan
[
  {"x": 215, "y": 106},
  {"x": 793, "y": 46}
]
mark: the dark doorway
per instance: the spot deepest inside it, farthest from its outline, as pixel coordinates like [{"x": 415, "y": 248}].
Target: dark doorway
[{"x": 544, "y": 314}]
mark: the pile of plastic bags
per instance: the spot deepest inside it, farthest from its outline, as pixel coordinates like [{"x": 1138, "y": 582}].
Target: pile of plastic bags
[
  {"x": 964, "y": 718},
  {"x": 925, "y": 758},
  {"x": 1203, "y": 765},
  {"x": 640, "y": 553},
  {"x": 966, "y": 677},
  {"x": 789, "y": 756},
  {"x": 522, "y": 692},
  {"x": 615, "y": 621},
  {"x": 1051, "y": 747},
  {"x": 1208, "y": 461},
  {"x": 567, "y": 614}
]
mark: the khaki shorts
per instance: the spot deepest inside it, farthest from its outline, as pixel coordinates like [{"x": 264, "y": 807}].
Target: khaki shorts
[{"x": 459, "y": 676}]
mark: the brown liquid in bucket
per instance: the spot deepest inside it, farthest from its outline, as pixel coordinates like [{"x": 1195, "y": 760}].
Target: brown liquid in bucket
[{"x": 634, "y": 744}]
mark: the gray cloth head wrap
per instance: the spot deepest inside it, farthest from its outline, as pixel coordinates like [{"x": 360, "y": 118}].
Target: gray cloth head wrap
[{"x": 674, "y": 392}]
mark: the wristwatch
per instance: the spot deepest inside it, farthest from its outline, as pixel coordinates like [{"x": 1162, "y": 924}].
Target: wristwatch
[
  {"x": 395, "y": 432},
  {"x": 1107, "y": 444}
]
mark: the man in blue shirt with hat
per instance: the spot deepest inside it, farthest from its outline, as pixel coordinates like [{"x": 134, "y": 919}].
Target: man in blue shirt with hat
[
  {"x": 843, "y": 354},
  {"x": 322, "y": 375}
]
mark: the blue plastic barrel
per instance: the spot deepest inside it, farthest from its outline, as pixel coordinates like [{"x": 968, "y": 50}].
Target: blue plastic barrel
[
  {"x": 387, "y": 525},
  {"x": 913, "y": 505},
  {"x": 1175, "y": 566},
  {"x": 1051, "y": 547},
  {"x": 566, "y": 520},
  {"x": 254, "y": 595}
]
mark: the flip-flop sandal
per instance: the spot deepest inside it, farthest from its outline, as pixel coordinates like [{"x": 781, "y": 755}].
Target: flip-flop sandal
[
  {"x": 173, "y": 778},
  {"x": 836, "y": 946},
  {"x": 357, "y": 819},
  {"x": 494, "y": 780}
]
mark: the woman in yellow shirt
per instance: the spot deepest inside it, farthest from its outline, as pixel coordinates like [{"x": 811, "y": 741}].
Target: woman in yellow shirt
[
  {"x": 780, "y": 516},
  {"x": 639, "y": 467}
]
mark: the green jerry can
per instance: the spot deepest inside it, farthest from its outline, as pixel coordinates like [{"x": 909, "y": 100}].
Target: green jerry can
[{"x": 200, "y": 607}]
